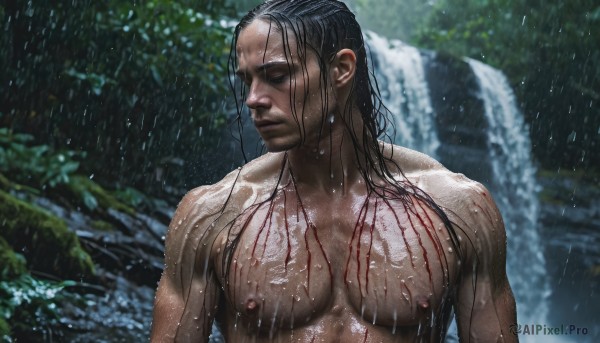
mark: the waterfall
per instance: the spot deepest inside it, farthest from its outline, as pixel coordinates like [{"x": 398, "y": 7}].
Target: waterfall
[
  {"x": 400, "y": 72},
  {"x": 405, "y": 93},
  {"x": 515, "y": 191}
]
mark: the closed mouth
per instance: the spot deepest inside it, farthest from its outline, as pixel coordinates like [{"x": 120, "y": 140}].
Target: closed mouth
[{"x": 264, "y": 124}]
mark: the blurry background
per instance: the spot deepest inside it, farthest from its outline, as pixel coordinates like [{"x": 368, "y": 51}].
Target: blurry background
[{"x": 110, "y": 111}]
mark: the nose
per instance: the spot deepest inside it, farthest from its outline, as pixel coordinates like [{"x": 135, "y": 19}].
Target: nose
[{"x": 257, "y": 97}]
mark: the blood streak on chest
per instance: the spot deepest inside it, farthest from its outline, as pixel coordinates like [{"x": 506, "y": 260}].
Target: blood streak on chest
[
  {"x": 390, "y": 237},
  {"x": 277, "y": 258},
  {"x": 273, "y": 254}
]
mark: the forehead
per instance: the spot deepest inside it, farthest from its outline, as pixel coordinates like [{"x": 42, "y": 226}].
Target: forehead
[{"x": 263, "y": 41}]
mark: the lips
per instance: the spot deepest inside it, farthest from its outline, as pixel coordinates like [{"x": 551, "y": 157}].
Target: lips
[{"x": 265, "y": 124}]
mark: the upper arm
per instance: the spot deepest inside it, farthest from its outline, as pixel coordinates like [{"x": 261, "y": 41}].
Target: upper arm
[
  {"x": 485, "y": 305},
  {"x": 188, "y": 291}
]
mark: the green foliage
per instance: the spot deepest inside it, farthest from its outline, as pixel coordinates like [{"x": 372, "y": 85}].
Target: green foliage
[
  {"x": 4, "y": 331},
  {"x": 28, "y": 305},
  {"x": 37, "y": 166},
  {"x": 133, "y": 84},
  {"x": 11, "y": 264},
  {"x": 391, "y": 18},
  {"x": 548, "y": 51},
  {"x": 94, "y": 197},
  {"x": 136, "y": 199},
  {"x": 243, "y": 6}
]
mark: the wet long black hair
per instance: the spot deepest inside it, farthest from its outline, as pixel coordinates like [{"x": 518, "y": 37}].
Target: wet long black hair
[{"x": 325, "y": 27}]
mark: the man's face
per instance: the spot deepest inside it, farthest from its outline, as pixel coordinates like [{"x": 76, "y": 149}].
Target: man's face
[{"x": 285, "y": 94}]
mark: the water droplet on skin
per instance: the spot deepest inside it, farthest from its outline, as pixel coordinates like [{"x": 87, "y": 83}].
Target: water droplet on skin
[
  {"x": 322, "y": 152},
  {"x": 237, "y": 315},
  {"x": 450, "y": 250},
  {"x": 179, "y": 222}
]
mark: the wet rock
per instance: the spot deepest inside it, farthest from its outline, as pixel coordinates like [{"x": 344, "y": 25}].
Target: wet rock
[{"x": 44, "y": 239}]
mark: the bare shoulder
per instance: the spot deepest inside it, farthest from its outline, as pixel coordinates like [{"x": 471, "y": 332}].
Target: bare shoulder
[
  {"x": 411, "y": 161},
  {"x": 467, "y": 203},
  {"x": 236, "y": 186},
  {"x": 202, "y": 206},
  {"x": 453, "y": 191},
  {"x": 187, "y": 294}
]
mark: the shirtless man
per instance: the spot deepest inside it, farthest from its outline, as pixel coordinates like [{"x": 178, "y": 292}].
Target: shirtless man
[{"x": 332, "y": 236}]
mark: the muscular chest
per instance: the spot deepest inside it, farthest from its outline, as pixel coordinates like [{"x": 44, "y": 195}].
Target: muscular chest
[{"x": 388, "y": 262}]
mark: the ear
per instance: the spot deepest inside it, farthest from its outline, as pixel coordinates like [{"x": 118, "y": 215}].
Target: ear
[{"x": 343, "y": 68}]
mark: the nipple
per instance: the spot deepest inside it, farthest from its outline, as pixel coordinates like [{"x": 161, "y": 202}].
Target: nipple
[
  {"x": 251, "y": 307},
  {"x": 422, "y": 303}
]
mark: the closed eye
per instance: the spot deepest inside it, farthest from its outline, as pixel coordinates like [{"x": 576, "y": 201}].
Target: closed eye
[{"x": 276, "y": 79}]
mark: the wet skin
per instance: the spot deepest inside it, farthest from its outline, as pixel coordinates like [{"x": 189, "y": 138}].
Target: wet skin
[{"x": 316, "y": 256}]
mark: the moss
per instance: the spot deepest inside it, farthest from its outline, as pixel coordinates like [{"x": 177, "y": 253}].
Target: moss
[
  {"x": 590, "y": 177},
  {"x": 11, "y": 264},
  {"x": 594, "y": 271},
  {"x": 4, "y": 331},
  {"x": 44, "y": 239},
  {"x": 101, "y": 225},
  {"x": 568, "y": 187},
  {"x": 93, "y": 195},
  {"x": 547, "y": 196},
  {"x": 5, "y": 183}
]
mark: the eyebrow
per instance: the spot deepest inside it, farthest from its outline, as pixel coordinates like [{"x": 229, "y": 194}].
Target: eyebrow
[{"x": 263, "y": 67}]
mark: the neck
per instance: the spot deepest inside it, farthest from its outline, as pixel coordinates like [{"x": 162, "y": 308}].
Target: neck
[{"x": 329, "y": 164}]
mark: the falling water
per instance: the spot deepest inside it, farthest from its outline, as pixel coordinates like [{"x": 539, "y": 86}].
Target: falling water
[
  {"x": 405, "y": 93},
  {"x": 515, "y": 191},
  {"x": 404, "y": 89}
]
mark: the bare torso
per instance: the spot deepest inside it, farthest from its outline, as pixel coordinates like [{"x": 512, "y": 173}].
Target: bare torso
[
  {"x": 332, "y": 267},
  {"x": 291, "y": 264}
]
